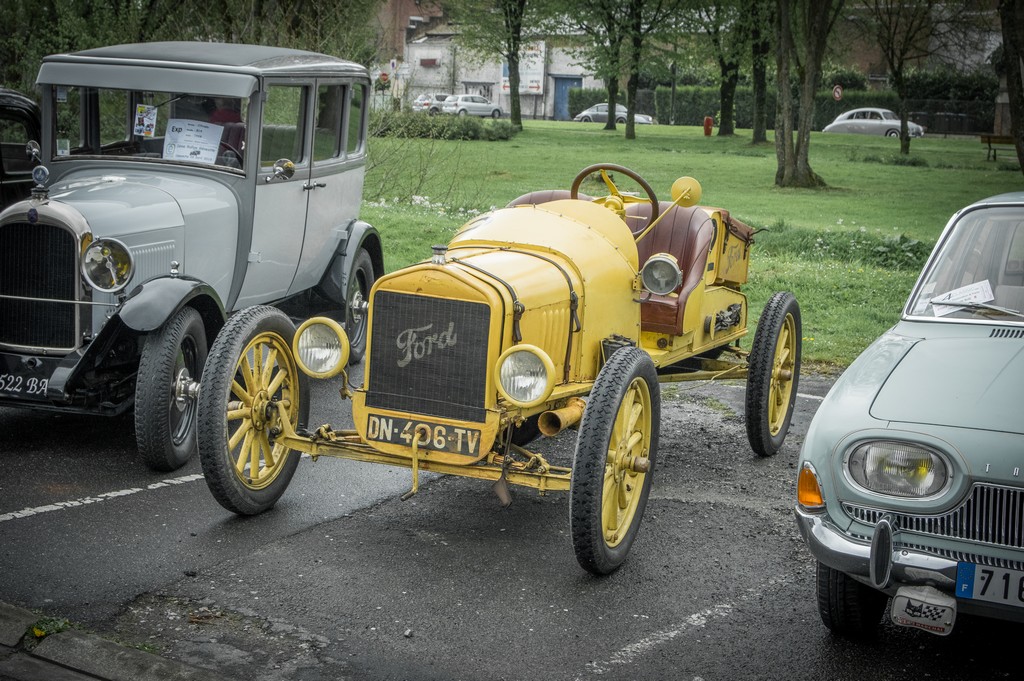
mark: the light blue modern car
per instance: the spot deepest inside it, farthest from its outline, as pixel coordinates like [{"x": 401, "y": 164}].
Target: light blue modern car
[{"x": 911, "y": 478}]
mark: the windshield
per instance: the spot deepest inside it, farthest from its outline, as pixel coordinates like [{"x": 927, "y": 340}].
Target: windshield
[
  {"x": 161, "y": 127},
  {"x": 979, "y": 272}
]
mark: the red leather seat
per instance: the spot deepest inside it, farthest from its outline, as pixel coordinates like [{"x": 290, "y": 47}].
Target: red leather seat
[{"x": 687, "y": 234}]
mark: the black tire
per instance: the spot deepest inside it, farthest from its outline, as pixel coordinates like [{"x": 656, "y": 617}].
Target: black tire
[
  {"x": 586, "y": 119},
  {"x": 463, "y": 112},
  {"x": 773, "y": 374},
  {"x": 847, "y": 607},
  {"x": 165, "y": 427},
  {"x": 360, "y": 281},
  {"x": 620, "y": 120},
  {"x": 628, "y": 380},
  {"x": 496, "y": 113},
  {"x": 224, "y": 413},
  {"x": 892, "y": 133}
]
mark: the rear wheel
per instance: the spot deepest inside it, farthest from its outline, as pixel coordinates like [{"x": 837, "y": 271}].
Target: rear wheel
[
  {"x": 462, "y": 112},
  {"x": 773, "y": 374},
  {"x": 614, "y": 460},
  {"x": 892, "y": 133},
  {"x": 250, "y": 384},
  {"x": 847, "y": 607},
  {"x": 165, "y": 414},
  {"x": 586, "y": 119}
]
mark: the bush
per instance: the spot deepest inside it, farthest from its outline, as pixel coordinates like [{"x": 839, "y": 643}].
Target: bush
[
  {"x": 442, "y": 127},
  {"x": 849, "y": 78}
]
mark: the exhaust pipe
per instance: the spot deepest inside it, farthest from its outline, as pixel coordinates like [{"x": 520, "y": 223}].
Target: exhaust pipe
[{"x": 553, "y": 422}]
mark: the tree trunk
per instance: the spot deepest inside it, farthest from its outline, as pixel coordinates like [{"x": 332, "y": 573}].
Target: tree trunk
[
  {"x": 760, "y": 47},
  {"x": 727, "y": 98},
  {"x": 803, "y": 42},
  {"x": 784, "y": 152},
  {"x": 513, "y": 91},
  {"x": 635, "y": 51},
  {"x": 613, "y": 102},
  {"x": 1011, "y": 15}
]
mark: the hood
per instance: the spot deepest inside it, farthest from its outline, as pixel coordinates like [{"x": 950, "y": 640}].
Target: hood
[
  {"x": 115, "y": 205},
  {"x": 958, "y": 382}
]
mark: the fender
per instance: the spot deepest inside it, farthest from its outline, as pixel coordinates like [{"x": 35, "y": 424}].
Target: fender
[
  {"x": 334, "y": 283},
  {"x": 151, "y": 304}
]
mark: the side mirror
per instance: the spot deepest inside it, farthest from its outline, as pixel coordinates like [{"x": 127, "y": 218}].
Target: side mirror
[
  {"x": 283, "y": 169},
  {"x": 33, "y": 151}
]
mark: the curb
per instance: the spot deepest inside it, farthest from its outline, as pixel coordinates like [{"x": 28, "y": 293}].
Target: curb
[{"x": 73, "y": 655}]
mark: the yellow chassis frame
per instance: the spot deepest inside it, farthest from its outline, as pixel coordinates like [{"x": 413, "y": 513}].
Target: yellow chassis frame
[{"x": 534, "y": 472}]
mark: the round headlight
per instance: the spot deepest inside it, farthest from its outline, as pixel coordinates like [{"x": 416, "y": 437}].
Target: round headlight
[
  {"x": 661, "y": 274},
  {"x": 107, "y": 265},
  {"x": 321, "y": 347},
  {"x": 525, "y": 375},
  {"x": 900, "y": 469}
]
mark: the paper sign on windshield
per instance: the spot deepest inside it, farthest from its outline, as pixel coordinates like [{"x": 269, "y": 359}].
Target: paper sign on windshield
[
  {"x": 189, "y": 140},
  {"x": 978, "y": 292},
  {"x": 145, "y": 120}
]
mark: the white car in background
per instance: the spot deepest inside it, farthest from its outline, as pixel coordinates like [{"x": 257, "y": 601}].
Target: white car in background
[
  {"x": 471, "y": 105},
  {"x": 871, "y": 121}
]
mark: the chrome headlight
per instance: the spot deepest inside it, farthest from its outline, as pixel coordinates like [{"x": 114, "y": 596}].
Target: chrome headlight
[
  {"x": 900, "y": 469},
  {"x": 661, "y": 274},
  {"x": 525, "y": 375},
  {"x": 321, "y": 347},
  {"x": 107, "y": 265}
]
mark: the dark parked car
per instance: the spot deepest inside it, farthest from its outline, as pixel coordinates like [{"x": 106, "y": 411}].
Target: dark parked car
[{"x": 19, "y": 123}]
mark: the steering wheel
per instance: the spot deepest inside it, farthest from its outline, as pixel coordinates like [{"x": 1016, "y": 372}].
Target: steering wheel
[{"x": 616, "y": 201}]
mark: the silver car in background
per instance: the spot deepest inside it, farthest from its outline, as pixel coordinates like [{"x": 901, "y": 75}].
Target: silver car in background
[
  {"x": 471, "y": 105},
  {"x": 871, "y": 121},
  {"x": 599, "y": 114}
]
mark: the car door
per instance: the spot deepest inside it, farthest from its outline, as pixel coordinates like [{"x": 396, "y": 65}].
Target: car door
[
  {"x": 16, "y": 129},
  {"x": 335, "y": 183},
  {"x": 601, "y": 113},
  {"x": 279, "y": 213}
]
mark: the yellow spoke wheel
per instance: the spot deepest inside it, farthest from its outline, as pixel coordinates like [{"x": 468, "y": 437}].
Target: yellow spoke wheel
[
  {"x": 773, "y": 374},
  {"x": 612, "y": 467},
  {"x": 250, "y": 387}
]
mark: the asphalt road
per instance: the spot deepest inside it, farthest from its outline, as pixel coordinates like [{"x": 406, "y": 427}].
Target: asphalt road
[{"x": 343, "y": 580}]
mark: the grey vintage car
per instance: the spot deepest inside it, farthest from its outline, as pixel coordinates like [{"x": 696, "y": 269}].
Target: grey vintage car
[
  {"x": 910, "y": 482},
  {"x": 178, "y": 182}
]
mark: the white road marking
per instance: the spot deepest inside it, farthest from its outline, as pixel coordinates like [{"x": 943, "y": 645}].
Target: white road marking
[
  {"x": 632, "y": 652},
  {"x": 62, "y": 505}
]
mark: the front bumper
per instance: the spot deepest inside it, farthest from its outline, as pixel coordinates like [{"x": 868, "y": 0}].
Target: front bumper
[
  {"x": 840, "y": 552},
  {"x": 907, "y": 567}
]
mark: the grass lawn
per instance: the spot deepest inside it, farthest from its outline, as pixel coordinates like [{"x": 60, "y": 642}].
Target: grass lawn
[{"x": 850, "y": 253}]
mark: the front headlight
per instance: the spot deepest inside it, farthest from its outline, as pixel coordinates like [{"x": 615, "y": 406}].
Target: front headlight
[
  {"x": 901, "y": 469},
  {"x": 321, "y": 347},
  {"x": 525, "y": 375},
  {"x": 107, "y": 265},
  {"x": 661, "y": 274}
]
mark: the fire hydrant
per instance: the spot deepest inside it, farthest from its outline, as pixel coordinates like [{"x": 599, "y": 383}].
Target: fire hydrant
[{"x": 708, "y": 123}]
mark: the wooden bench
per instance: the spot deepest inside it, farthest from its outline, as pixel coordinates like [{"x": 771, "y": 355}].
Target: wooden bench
[{"x": 997, "y": 143}]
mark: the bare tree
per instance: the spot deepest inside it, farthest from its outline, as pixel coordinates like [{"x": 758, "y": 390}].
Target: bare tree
[
  {"x": 643, "y": 19},
  {"x": 802, "y": 28},
  {"x": 724, "y": 23},
  {"x": 1011, "y": 18},
  {"x": 759, "y": 16},
  {"x": 602, "y": 21},
  {"x": 496, "y": 28},
  {"x": 909, "y": 31}
]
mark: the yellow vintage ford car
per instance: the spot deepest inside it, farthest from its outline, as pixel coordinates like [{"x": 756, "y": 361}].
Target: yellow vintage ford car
[{"x": 559, "y": 310}]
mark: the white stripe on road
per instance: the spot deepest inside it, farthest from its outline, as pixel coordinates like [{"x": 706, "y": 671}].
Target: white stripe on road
[
  {"x": 630, "y": 653},
  {"x": 61, "y": 505}
]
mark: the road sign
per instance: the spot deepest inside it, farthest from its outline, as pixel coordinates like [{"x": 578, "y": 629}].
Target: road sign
[
  {"x": 837, "y": 92},
  {"x": 383, "y": 77}
]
